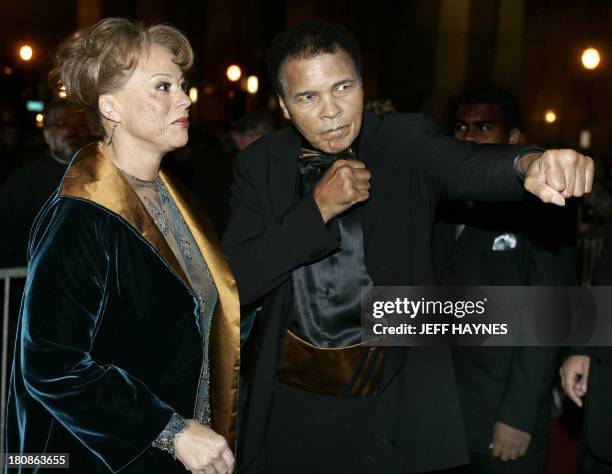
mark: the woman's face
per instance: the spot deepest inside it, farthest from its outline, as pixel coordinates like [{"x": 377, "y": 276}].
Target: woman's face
[{"x": 153, "y": 105}]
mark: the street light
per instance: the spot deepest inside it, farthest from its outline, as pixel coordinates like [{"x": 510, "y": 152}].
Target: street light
[
  {"x": 252, "y": 84},
  {"x": 193, "y": 94},
  {"x": 234, "y": 73},
  {"x": 590, "y": 61},
  {"x": 26, "y": 52},
  {"x": 590, "y": 58}
]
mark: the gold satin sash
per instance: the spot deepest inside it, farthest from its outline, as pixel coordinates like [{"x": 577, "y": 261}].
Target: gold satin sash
[{"x": 345, "y": 371}]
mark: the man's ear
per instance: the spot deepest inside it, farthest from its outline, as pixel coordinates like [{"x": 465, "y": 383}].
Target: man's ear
[
  {"x": 283, "y": 107},
  {"x": 515, "y": 136},
  {"x": 109, "y": 108}
]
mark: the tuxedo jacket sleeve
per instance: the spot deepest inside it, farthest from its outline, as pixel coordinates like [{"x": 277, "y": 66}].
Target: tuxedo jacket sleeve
[{"x": 459, "y": 170}]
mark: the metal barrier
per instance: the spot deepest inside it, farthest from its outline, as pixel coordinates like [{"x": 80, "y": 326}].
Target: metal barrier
[{"x": 6, "y": 274}]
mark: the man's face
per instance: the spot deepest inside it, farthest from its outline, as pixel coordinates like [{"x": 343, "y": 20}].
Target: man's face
[
  {"x": 323, "y": 97},
  {"x": 66, "y": 132},
  {"x": 483, "y": 123}
]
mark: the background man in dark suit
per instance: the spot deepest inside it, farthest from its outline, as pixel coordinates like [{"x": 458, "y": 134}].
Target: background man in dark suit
[
  {"x": 340, "y": 200},
  {"x": 25, "y": 191},
  {"x": 505, "y": 392},
  {"x": 587, "y": 373}
]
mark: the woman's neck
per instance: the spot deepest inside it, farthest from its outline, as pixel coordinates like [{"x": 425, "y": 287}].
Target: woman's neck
[{"x": 135, "y": 161}]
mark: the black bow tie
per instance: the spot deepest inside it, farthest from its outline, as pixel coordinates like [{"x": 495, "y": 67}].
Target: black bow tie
[{"x": 310, "y": 160}]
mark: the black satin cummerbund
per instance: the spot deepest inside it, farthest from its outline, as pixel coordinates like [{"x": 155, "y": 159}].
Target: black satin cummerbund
[{"x": 345, "y": 371}]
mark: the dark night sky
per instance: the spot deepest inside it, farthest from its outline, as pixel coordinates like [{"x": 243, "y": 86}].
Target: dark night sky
[{"x": 43, "y": 23}]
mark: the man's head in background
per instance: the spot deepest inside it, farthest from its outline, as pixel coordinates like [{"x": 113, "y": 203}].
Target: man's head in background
[
  {"x": 66, "y": 129},
  {"x": 250, "y": 127},
  {"x": 488, "y": 115}
]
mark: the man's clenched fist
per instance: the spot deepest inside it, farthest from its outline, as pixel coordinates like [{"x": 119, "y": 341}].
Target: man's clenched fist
[
  {"x": 345, "y": 183},
  {"x": 556, "y": 175}
]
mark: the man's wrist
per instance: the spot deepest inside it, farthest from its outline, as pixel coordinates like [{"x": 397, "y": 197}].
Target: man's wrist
[{"x": 524, "y": 160}]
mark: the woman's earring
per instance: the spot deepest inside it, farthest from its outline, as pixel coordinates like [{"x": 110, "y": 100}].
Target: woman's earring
[{"x": 110, "y": 139}]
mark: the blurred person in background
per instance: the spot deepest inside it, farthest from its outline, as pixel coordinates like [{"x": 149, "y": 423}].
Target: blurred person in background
[
  {"x": 586, "y": 376},
  {"x": 381, "y": 106},
  {"x": 127, "y": 351},
  {"x": 212, "y": 165},
  {"x": 26, "y": 190},
  {"x": 505, "y": 392}
]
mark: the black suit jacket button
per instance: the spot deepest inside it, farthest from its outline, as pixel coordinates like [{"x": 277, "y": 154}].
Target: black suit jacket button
[
  {"x": 599, "y": 361},
  {"x": 451, "y": 269}
]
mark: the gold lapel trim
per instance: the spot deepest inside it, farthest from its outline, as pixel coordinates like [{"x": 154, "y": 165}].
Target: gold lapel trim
[
  {"x": 224, "y": 353},
  {"x": 93, "y": 177}
]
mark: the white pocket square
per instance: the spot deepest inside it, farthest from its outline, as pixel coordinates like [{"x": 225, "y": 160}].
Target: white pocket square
[{"x": 504, "y": 242}]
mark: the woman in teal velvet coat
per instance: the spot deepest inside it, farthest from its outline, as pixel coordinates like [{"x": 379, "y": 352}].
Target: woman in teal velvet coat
[{"x": 128, "y": 342}]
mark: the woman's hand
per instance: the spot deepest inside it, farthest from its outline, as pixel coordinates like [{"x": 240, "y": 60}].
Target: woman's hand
[{"x": 201, "y": 450}]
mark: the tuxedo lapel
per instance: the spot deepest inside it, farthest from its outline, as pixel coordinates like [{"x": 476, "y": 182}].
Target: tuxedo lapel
[
  {"x": 374, "y": 151},
  {"x": 283, "y": 170}
]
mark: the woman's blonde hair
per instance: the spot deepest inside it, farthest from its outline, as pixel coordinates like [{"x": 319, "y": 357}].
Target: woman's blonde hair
[{"x": 101, "y": 59}]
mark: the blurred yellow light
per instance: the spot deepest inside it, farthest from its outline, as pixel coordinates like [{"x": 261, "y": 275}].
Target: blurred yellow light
[
  {"x": 252, "y": 84},
  {"x": 590, "y": 58},
  {"x": 39, "y": 117},
  {"x": 550, "y": 116},
  {"x": 61, "y": 92},
  {"x": 234, "y": 73},
  {"x": 193, "y": 94},
  {"x": 26, "y": 52}
]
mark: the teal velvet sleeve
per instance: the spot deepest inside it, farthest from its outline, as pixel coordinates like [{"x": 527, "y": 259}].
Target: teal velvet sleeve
[{"x": 111, "y": 413}]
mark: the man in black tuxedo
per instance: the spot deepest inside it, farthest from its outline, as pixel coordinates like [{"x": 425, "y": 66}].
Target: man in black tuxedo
[
  {"x": 505, "y": 392},
  {"x": 587, "y": 373},
  {"x": 342, "y": 200}
]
